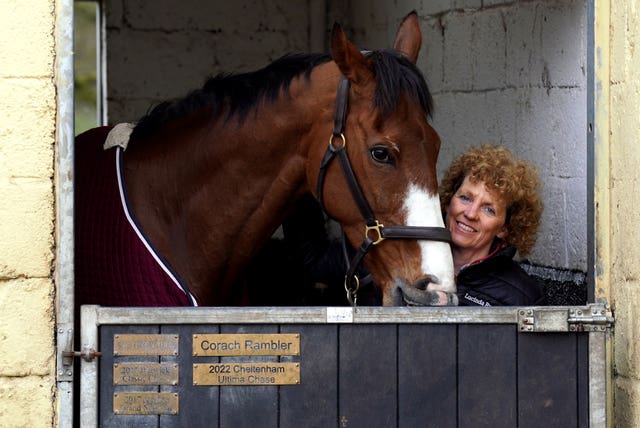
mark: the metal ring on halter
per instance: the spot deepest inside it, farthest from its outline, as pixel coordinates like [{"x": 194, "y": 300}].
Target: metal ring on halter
[
  {"x": 344, "y": 141},
  {"x": 352, "y": 294}
]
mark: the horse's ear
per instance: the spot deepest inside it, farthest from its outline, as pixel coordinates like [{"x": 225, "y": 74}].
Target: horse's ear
[
  {"x": 349, "y": 59},
  {"x": 409, "y": 37}
]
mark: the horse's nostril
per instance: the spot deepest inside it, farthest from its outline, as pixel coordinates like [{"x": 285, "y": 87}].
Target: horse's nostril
[{"x": 423, "y": 283}]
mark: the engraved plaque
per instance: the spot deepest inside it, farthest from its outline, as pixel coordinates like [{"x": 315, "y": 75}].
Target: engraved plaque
[
  {"x": 145, "y": 374},
  {"x": 247, "y": 374},
  {"x": 145, "y": 403},
  {"x": 145, "y": 344},
  {"x": 245, "y": 344}
]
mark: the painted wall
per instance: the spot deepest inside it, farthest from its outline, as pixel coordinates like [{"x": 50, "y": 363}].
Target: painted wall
[
  {"x": 619, "y": 230},
  {"x": 27, "y": 139}
]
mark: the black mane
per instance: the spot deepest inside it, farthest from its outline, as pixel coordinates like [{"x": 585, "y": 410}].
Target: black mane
[{"x": 395, "y": 76}]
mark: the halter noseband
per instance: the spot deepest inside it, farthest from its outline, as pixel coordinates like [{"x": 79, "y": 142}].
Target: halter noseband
[{"x": 374, "y": 232}]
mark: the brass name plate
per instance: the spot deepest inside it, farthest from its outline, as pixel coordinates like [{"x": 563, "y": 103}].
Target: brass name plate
[
  {"x": 248, "y": 374},
  {"x": 206, "y": 345},
  {"x": 145, "y": 403},
  {"x": 145, "y": 344},
  {"x": 145, "y": 374}
]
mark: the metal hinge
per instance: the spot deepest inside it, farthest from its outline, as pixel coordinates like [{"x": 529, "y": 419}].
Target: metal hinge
[{"x": 548, "y": 319}]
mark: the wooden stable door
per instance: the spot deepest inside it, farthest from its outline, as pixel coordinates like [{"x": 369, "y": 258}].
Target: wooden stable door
[{"x": 345, "y": 374}]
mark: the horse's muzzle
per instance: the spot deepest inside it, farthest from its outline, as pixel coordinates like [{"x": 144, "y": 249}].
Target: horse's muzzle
[{"x": 420, "y": 294}]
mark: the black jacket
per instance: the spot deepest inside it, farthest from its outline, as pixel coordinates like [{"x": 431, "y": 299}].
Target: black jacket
[{"x": 498, "y": 281}]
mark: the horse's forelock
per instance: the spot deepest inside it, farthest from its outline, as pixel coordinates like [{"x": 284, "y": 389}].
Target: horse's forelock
[{"x": 396, "y": 77}]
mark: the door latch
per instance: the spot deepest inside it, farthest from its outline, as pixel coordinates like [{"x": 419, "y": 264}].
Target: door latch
[{"x": 591, "y": 318}]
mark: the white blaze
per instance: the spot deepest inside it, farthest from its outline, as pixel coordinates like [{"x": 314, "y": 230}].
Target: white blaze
[{"x": 423, "y": 209}]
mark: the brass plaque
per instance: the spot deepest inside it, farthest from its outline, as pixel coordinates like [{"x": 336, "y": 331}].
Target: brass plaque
[
  {"x": 145, "y": 374},
  {"x": 206, "y": 345},
  {"x": 248, "y": 374},
  {"x": 145, "y": 344},
  {"x": 145, "y": 403}
]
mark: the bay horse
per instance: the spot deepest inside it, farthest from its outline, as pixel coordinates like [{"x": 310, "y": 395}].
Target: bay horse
[{"x": 204, "y": 181}]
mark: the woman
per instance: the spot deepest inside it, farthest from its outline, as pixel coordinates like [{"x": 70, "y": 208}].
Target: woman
[{"x": 492, "y": 208}]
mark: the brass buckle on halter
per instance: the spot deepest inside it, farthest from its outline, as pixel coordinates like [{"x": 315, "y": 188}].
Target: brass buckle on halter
[{"x": 378, "y": 229}]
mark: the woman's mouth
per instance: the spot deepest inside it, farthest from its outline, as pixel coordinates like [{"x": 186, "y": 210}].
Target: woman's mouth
[{"x": 465, "y": 227}]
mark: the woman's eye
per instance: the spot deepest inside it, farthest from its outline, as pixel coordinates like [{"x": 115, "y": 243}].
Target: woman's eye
[
  {"x": 490, "y": 211},
  {"x": 382, "y": 155},
  {"x": 464, "y": 198}
]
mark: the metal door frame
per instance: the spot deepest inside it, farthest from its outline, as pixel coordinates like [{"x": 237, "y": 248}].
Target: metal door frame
[{"x": 64, "y": 173}]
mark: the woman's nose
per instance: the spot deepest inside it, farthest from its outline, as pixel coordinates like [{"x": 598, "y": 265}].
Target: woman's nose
[{"x": 471, "y": 211}]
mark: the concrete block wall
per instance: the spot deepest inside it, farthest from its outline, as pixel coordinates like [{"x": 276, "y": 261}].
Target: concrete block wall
[
  {"x": 27, "y": 141},
  {"x": 508, "y": 73},
  {"x": 519, "y": 80},
  {"x": 161, "y": 49}
]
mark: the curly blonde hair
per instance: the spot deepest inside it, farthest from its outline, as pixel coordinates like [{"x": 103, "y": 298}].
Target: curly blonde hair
[{"x": 514, "y": 180}]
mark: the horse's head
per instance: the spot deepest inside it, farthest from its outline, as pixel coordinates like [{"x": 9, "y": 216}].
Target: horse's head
[{"x": 392, "y": 150}]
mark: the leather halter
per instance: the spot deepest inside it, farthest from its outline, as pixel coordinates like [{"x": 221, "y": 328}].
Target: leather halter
[{"x": 374, "y": 232}]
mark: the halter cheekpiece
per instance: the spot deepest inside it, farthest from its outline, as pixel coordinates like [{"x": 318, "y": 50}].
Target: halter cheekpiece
[{"x": 375, "y": 232}]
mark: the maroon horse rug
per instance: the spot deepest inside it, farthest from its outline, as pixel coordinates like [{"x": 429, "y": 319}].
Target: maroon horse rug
[{"x": 113, "y": 258}]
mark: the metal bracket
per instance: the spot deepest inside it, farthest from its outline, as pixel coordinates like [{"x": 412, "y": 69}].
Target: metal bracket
[
  {"x": 87, "y": 354},
  {"x": 591, "y": 318},
  {"x": 65, "y": 342},
  {"x": 66, "y": 354}
]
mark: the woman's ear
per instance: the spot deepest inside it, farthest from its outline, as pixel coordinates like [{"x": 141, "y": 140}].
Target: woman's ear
[{"x": 504, "y": 231}]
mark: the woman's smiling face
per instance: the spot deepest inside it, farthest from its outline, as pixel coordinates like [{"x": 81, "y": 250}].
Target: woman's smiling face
[{"x": 475, "y": 217}]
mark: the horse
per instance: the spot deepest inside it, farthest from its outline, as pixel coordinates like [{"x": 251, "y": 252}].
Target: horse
[{"x": 200, "y": 183}]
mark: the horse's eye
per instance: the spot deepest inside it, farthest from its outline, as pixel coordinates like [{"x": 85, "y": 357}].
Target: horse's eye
[{"x": 381, "y": 154}]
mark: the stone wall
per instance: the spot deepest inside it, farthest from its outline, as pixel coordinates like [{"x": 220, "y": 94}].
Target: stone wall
[{"x": 27, "y": 139}]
